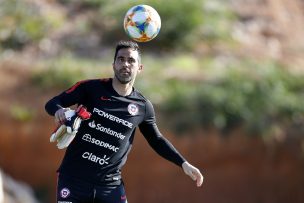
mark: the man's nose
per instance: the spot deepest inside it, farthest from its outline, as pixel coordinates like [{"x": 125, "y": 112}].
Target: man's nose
[{"x": 126, "y": 64}]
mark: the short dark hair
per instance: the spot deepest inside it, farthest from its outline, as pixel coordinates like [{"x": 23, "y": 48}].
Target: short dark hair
[{"x": 126, "y": 45}]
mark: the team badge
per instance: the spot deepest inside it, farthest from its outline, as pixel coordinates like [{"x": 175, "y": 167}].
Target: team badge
[
  {"x": 65, "y": 192},
  {"x": 133, "y": 109}
]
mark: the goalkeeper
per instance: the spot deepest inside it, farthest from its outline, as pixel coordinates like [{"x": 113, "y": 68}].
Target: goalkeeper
[{"x": 99, "y": 134}]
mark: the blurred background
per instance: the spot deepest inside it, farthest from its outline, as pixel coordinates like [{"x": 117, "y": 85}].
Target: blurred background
[{"x": 226, "y": 78}]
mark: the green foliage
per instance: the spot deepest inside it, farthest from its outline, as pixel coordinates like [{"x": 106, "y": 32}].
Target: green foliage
[
  {"x": 190, "y": 92},
  {"x": 21, "y": 113},
  {"x": 260, "y": 97},
  {"x": 88, "y": 4},
  {"x": 67, "y": 70},
  {"x": 183, "y": 23},
  {"x": 218, "y": 20},
  {"x": 201, "y": 93},
  {"x": 21, "y": 23}
]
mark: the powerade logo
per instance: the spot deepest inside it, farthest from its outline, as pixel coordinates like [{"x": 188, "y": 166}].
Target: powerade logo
[
  {"x": 89, "y": 138},
  {"x": 112, "y": 118}
]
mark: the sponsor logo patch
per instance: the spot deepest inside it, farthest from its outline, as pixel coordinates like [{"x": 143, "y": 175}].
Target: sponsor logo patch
[
  {"x": 89, "y": 138},
  {"x": 106, "y": 130},
  {"x": 91, "y": 157}
]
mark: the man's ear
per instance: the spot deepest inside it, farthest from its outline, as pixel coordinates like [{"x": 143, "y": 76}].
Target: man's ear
[{"x": 141, "y": 67}]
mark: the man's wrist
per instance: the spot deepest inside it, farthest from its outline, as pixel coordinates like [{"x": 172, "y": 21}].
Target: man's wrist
[{"x": 184, "y": 164}]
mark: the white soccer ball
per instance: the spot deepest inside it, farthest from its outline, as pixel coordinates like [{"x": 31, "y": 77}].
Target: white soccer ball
[{"x": 142, "y": 23}]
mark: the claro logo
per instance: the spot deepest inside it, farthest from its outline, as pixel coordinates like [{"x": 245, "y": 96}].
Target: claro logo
[
  {"x": 96, "y": 159},
  {"x": 89, "y": 138}
]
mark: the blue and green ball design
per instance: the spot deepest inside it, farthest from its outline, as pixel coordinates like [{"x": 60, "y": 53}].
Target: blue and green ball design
[{"x": 142, "y": 23}]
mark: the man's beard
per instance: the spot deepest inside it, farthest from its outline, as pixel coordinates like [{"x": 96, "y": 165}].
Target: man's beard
[{"x": 123, "y": 80}]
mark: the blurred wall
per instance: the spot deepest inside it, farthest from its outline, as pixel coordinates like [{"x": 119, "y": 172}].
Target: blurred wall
[{"x": 236, "y": 168}]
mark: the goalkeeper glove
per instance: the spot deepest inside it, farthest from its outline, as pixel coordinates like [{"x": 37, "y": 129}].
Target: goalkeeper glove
[{"x": 65, "y": 133}]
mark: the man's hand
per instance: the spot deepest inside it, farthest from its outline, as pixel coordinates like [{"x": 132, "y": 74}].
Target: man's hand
[
  {"x": 68, "y": 123},
  {"x": 61, "y": 115},
  {"x": 194, "y": 173}
]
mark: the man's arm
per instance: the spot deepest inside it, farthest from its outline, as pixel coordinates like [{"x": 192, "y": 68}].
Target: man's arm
[
  {"x": 57, "y": 106},
  {"x": 163, "y": 147},
  {"x": 68, "y": 120}
]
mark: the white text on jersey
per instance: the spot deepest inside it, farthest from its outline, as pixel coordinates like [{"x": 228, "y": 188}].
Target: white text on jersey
[
  {"x": 90, "y": 139},
  {"x": 113, "y": 118}
]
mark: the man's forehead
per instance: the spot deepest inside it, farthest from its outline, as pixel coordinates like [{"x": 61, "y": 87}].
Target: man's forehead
[{"x": 127, "y": 52}]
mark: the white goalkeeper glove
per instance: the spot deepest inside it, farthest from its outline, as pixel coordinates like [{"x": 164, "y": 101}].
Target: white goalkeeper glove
[{"x": 65, "y": 133}]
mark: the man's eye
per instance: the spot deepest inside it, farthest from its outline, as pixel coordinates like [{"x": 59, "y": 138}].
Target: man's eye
[{"x": 131, "y": 60}]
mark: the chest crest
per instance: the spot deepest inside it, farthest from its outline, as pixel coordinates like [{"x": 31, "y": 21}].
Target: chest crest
[{"x": 133, "y": 109}]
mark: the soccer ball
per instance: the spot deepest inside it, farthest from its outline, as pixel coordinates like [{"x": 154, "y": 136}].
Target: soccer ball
[{"x": 142, "y": 23}]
